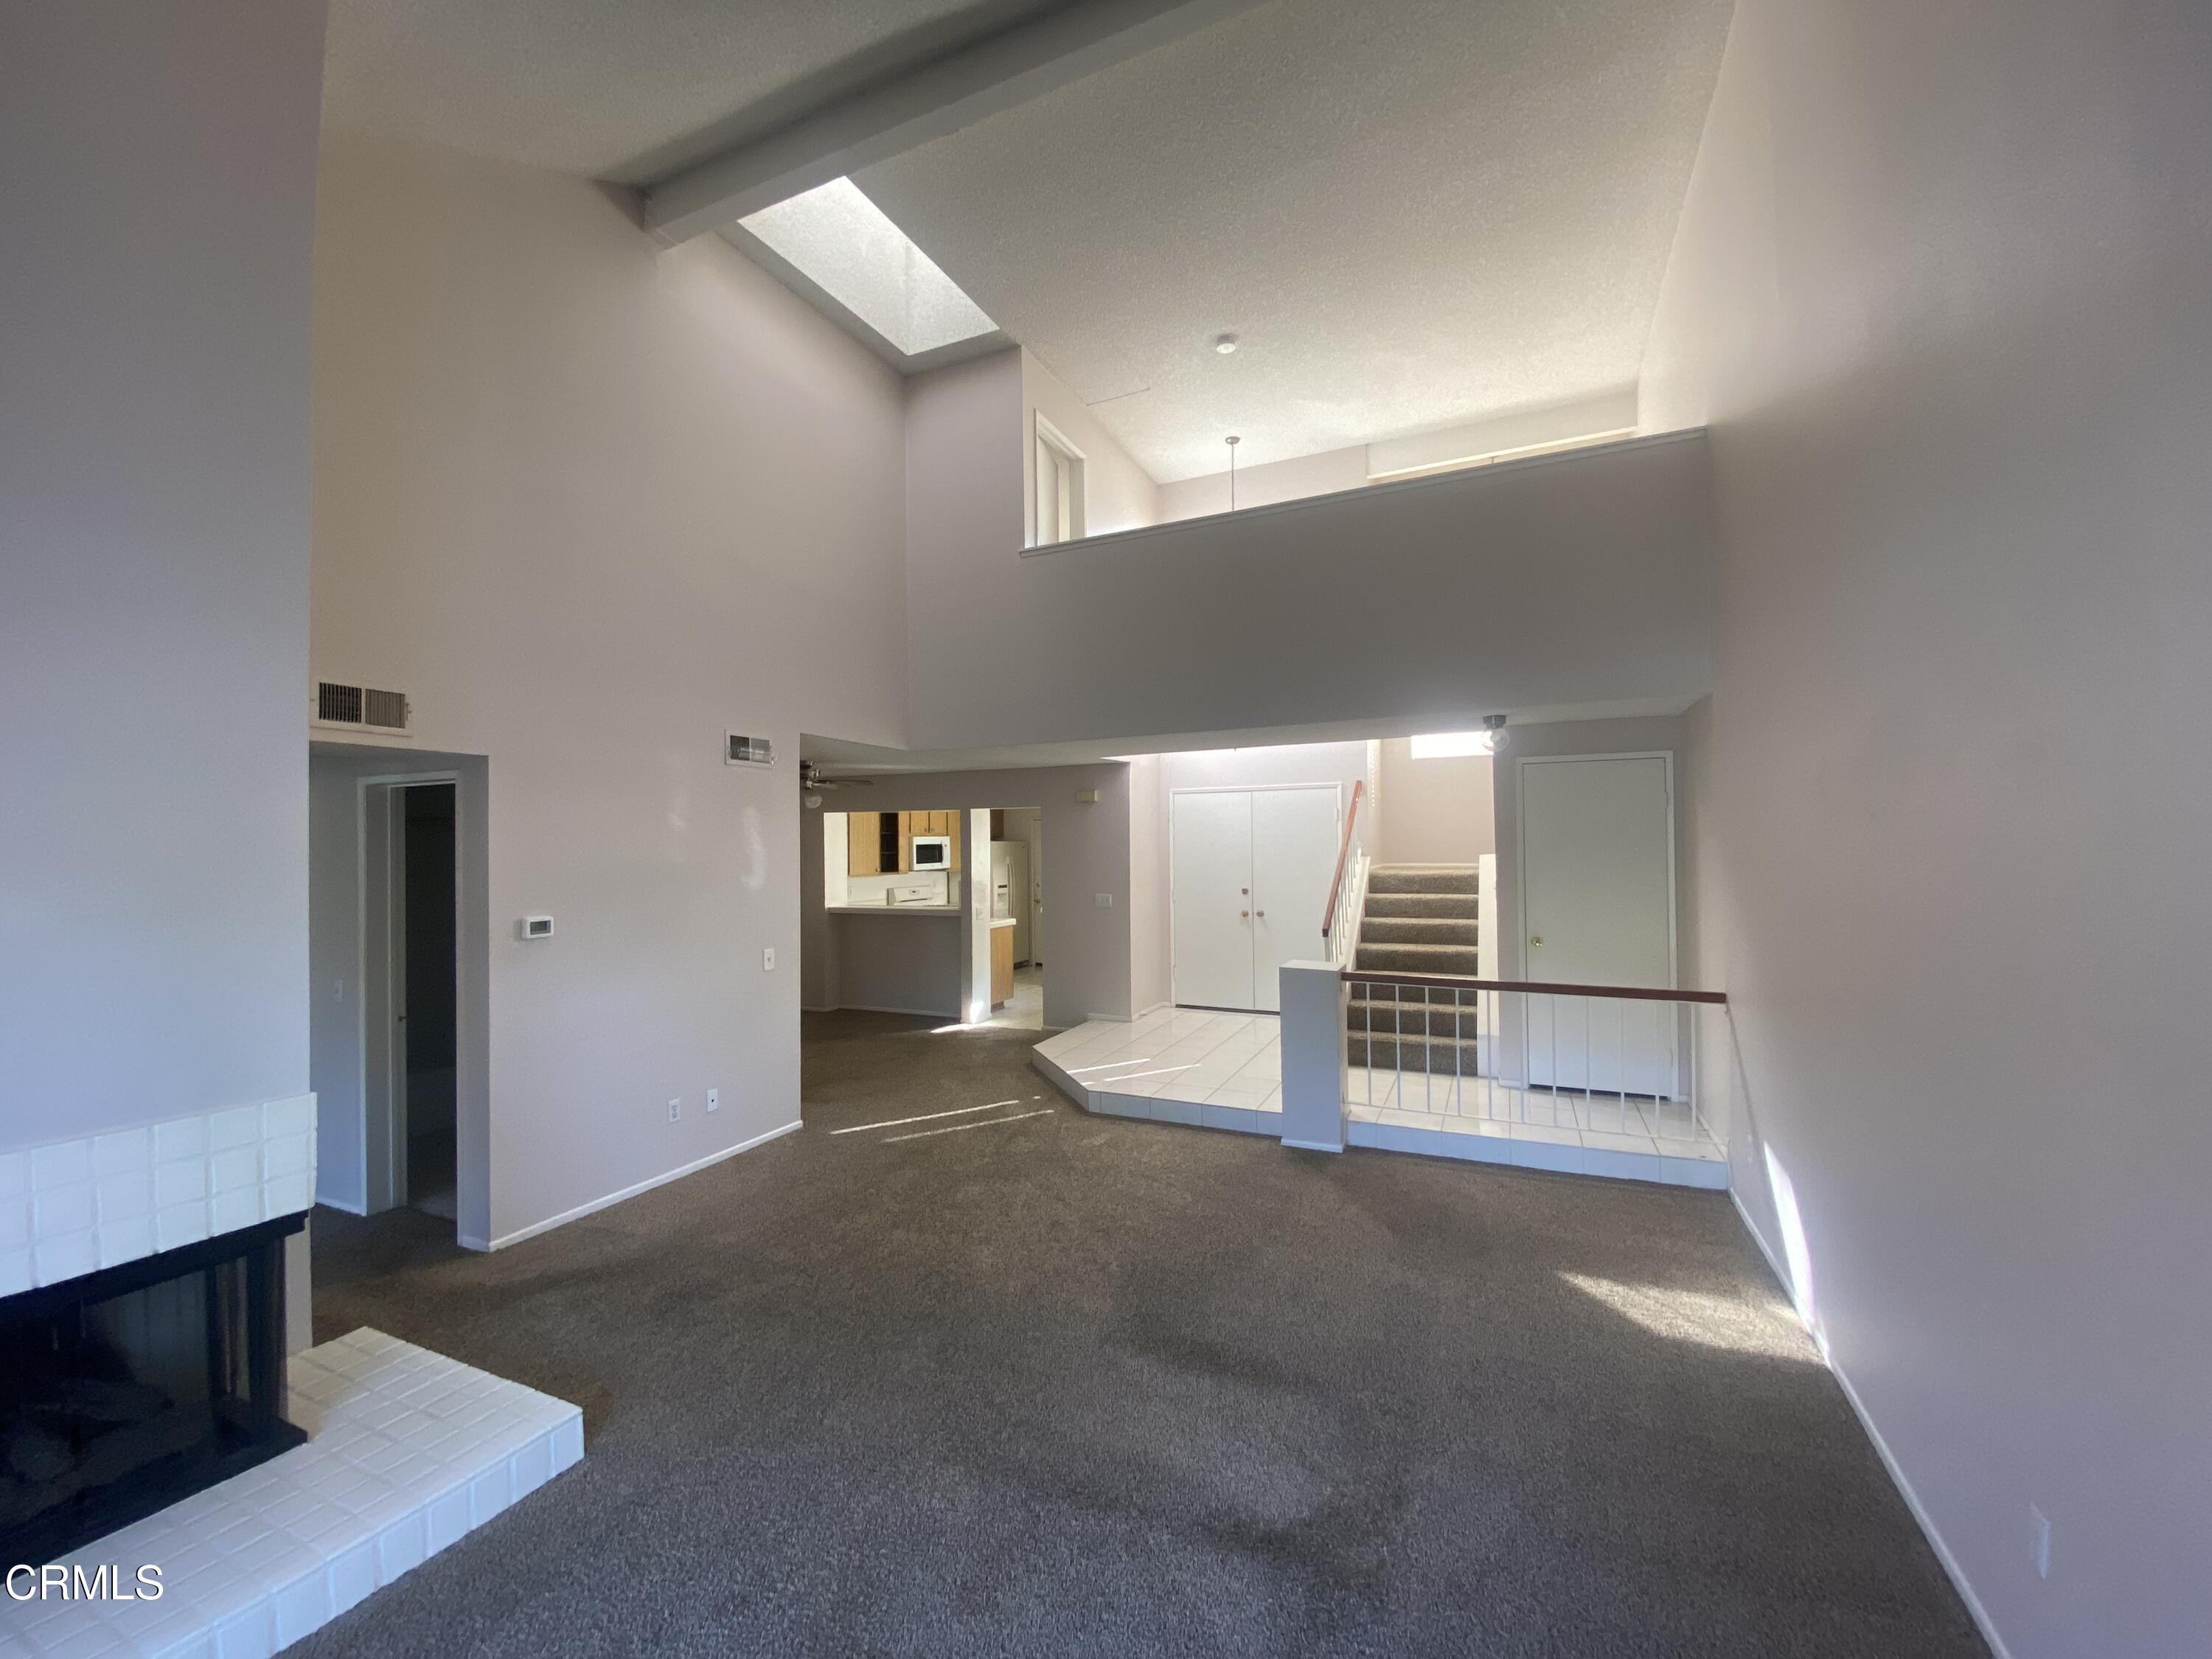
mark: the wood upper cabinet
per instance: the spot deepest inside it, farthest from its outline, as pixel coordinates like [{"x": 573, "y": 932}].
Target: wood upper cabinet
[
  {"x": 860, "y": 839},
  {"x": 864, "y": 842}
]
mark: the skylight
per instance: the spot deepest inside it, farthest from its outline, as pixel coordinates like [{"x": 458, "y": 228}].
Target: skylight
[{"x": 846, "y": 245}]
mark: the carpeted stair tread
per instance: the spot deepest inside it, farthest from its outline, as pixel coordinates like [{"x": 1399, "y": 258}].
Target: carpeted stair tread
[
  {"x": 1420, "y": 904},
  {"x": 1410, "y": 1019},
  {"x": 1419, "y": 930},
  {"x": 1399, "y": 878},
  {"x": 1419, "y": 958},
  {"x": 1435, "y": 1056}
]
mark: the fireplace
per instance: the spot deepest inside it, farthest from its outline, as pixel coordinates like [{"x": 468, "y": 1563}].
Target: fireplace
[{"x": 124, "y": 1389}]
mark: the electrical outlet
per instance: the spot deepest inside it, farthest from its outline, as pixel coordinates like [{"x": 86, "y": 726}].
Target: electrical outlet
[
  {"x": 768, "y": 959},
  {"x": 1103, "y": 901},
  {"x": 2039, "y": 1540},
  {"x": 714, "y": 1100},
  {"x": 675, "y": 1110}
]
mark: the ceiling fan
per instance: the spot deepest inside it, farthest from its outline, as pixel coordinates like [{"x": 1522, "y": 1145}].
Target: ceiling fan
[{"x": 811, "y": 783}]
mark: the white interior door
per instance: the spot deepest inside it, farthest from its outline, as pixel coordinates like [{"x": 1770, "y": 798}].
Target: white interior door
[
  {"x": 1597, "y": 870},
  {"x": 1209, "y": 849},
  {"x": 1294, "y": 840}
]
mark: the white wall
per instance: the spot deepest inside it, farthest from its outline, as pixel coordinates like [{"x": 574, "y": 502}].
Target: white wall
[
  {"x": 899, "y": 964},
  {"x": 1578, "y": 580},
  {"x": 1940, "y": 288},
  {"x": 157, "y": 177},
  {"x": 590, "y": 503},
  {"x": 1501, "y": 434},
  {"x": 1435, "y": 810},
  {"x": 1261, "y": 486},
  {"x": 1117, "y": 492},
  {"x": 1088, "y": 975}
]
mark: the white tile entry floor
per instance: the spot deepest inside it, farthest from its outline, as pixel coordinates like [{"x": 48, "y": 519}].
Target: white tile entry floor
[
  {"x": 1218, "y": 1070},
  {"x": 1224, "y": 1071},
  {"x": 407, "y": 1451}
]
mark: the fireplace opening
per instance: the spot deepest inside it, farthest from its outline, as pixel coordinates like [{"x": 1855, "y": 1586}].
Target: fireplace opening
[{"x": 124, "y": 1390}]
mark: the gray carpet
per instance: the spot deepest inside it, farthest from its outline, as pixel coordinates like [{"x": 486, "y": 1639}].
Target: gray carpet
[{"x": 1075, "y": 1387}]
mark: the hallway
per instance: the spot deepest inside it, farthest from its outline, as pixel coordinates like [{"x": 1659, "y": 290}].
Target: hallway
[{"x": 1051, "y": 1384}]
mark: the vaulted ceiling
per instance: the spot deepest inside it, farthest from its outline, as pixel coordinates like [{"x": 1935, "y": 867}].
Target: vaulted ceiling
[{"x": 1411, "y": 213}]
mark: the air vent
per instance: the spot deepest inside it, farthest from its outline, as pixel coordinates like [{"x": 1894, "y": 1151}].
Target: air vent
[
  {"x": 750, "y": 751},
  {"x": 356, "y": 705},
  {"x": 340, "y": 704}
]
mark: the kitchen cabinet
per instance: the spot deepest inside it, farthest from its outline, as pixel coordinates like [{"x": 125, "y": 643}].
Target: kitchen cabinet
[
  {"x": 862, "y": 854},
  {"x": 1002, "y": 965},
  {"x": 882, "y": 844}
]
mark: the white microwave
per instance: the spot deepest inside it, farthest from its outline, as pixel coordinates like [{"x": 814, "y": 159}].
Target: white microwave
[{"x": 932, "y": 853}]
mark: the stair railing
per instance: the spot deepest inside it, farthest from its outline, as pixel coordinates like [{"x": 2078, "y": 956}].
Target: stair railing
[
  {"x": 1347, "y": 899},
  {"x": 1619, "y": 1064}
]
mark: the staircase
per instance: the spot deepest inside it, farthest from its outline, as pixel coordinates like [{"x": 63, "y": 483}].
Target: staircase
[{"x": 1419, "y": 919}]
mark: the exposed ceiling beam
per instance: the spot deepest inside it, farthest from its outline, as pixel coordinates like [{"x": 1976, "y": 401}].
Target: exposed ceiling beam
[{"x": 942, "y": 96}]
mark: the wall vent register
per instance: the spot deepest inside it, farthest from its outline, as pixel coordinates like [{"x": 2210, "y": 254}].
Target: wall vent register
[
  {"x": 360, "y": 705},
  {"x": 749, "y": 751}
]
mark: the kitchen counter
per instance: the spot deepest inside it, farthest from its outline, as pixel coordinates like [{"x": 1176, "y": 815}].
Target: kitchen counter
[
  {"x": 1002, "y": 921},
  {"x": 893, "y": 909}
]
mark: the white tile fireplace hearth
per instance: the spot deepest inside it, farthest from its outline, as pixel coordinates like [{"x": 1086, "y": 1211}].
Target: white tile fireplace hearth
[{"x": 407, "y": 1450}]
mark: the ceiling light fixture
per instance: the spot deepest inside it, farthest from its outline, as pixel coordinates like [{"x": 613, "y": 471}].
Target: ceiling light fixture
[
  {"x": 1224, "y": 343},
  {"x": 1446, "y": 745}
]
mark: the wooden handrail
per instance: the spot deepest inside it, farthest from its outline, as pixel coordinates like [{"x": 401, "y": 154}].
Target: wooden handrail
[
  {"x": 1343, "y": 852},
  {"x": 1467, "y": 983}
]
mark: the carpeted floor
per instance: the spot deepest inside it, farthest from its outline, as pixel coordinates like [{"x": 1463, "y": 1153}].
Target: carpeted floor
[{"x": 1082, "y": 1387}]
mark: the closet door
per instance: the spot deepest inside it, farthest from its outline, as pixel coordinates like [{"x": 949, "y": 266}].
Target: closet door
[
  {"x": 1294, "y": 840},
  {"x": 1210, "y": 849},
  {"x": 1597, "y": 875}
]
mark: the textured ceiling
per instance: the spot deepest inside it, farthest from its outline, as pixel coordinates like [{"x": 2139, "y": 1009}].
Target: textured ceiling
[
  {"x": 1413, "y": 213},
  {"x": 626, "y": 90}
]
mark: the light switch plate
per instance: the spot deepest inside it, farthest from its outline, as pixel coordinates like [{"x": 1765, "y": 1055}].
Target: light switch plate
[
  {"x": 1103, "y": 901},
  {"x": 675, "y": 1110},
  {"x": 768, "y": 959},
  {"x": 714, "y": 1100}
]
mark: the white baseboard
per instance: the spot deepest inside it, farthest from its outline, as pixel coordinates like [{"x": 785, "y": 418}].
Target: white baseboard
[
  {"x": 877, "y": 1008},
  {"x": 1952, "y": 1570},
  {"x": 632, "y": 1191},
  {"x": 1154, "y": 1009},
  {"x": 1312, "y": 1146},
  {"x": 340, "y": 1204}
]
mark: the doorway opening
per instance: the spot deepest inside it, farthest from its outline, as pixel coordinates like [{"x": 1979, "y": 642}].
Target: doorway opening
[
  {"x": 425, "y": 966},
  {"x": 399, "y": 949},
  {"x": 1018, "y": 918}
]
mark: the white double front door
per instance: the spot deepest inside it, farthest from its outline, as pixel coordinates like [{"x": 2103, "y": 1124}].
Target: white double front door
[{"x": 1249, "y": 876}]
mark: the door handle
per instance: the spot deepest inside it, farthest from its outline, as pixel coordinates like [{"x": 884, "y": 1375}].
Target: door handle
[
  {"x": 1246, "y": 915},
  {"x": 1537, "y": 939},
  {"x": 1261, "y": 914}
]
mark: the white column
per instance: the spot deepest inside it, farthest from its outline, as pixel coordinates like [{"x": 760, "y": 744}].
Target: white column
[
  {"x": 1313, "y": 1056},
  {"x": 975, "y": 897}
]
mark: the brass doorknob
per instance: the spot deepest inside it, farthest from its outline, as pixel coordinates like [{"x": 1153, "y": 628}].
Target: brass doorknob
[
  {"x": 1537, "y": 939},
  {"x": 1245, "y": 914},
  {"x": 1261, "y": 913}
]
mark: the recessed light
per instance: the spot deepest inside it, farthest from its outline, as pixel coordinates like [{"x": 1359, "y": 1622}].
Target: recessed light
[{"x": 1224, "y": 343}]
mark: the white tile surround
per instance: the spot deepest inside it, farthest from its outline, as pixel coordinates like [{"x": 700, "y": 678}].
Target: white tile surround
[
  {"x": 1224, "y": 1071},
  {"x": 71, "y": 1206},
  {"x": 407, "y": 1451}
]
